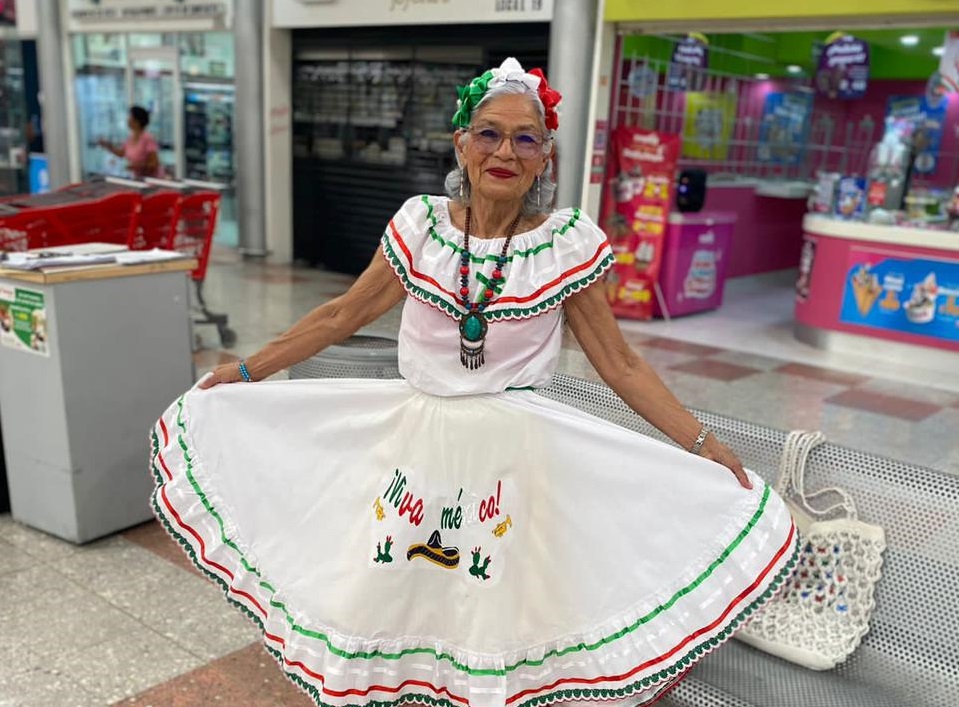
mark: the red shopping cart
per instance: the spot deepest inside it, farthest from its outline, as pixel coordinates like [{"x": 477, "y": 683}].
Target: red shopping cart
[
  {"x": 22, "y": 230},
  {"x": 194, "y": 237},
  {"x": 112, "y": 219},
  {"x": 159, "y": 218}
]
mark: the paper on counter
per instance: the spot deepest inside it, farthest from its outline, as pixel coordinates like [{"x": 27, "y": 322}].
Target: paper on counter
[{"x": 136, "y": 257}]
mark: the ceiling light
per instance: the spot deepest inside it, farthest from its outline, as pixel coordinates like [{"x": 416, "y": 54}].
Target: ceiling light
[
  {"x": 762, "y": 77},
  {"x": 909, "y": 40},
  {"x": 794, "y": 69},
  {"x": 939, "y": 51}
]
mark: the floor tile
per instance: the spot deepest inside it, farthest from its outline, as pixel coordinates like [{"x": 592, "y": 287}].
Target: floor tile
[
  {"x": 750, "y": 360},
  {"x": 247, "y": 678},
  {"x": 827, "y": 375},
  {"x": 718, "y": 370},
  {"x": 55, "y": 625},
  {"x": 36, "y": 543},
  {"x": 40, "y": 687},
  {"x": 125, "y": 664},
  {"x": 277, "y": 278},
  {"x": 882, "y": 404},
  {"x": 210, "y": 358},
  {"x": 13, "y": 559},
  {"x": 679, "y": 346},
  {"x": 909, "y": 391},
  {"x": 151, "y": 536},
  {"x": 190, "y": 611},
  {"x": 31, "y": 585},
  {"x": 108, "y": 563}
]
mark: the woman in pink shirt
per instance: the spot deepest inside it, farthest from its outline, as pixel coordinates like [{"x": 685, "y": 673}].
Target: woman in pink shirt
[{"x": 140, "y": 150}]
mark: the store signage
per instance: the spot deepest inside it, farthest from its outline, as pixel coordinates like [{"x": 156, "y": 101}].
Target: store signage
[
  {"x": 915, "y": 296},
  {"x": 93, "y": 15},
  {"x": 687, "y": 70},
  {"x": 949, "y": 64},
  {"x": 784, "y": 130},
  {"x": 843, "y": 70},
  {"x": 343, "y": 13},
  {"x": 639, "y": 190},
  {"x": 927, "y": 123},
  {"x": 23, "y": 320},
  {"x": 708, "y": 125}
]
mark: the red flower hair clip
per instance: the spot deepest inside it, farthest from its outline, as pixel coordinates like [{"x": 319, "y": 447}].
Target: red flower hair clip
[{"x": 550, "y": 98}]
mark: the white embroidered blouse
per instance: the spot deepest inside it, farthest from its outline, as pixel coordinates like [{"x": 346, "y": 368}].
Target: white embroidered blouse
[{"x": 544, "y": 266}]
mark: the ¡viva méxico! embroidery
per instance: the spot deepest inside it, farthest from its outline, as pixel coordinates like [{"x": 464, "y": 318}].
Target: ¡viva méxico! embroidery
[{"x": 403, "y": 515}]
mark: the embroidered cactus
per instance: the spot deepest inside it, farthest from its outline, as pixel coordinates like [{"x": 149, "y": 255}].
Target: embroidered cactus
[
  {"x": 476, "y": 570},
  {"x": 383, "y": 555}
]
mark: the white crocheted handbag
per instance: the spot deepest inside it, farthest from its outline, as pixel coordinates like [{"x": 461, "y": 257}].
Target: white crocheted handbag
[{"x": 821, "y": 615}]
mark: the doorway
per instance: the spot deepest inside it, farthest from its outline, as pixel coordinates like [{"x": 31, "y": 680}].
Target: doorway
[
  {"x": 185, "y": 80},
  {"x": 153, "y": 82}
]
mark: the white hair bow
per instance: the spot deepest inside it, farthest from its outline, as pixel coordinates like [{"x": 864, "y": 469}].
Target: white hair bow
[{"x": 512, "y": 70}]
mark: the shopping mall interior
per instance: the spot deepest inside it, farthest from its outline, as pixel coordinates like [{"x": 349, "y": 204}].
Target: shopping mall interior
[{"x": 778, "y": 193}]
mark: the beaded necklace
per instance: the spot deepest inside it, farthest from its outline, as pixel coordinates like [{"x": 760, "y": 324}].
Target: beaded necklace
[{"x": 473, "y": 324}]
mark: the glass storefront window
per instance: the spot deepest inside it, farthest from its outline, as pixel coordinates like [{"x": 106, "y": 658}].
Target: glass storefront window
[
  {"x": 101, "y": 94},
  {"x": 207, "y": 55},
  {"x": 13, "y": 119},
  {"x": 191, "y": 104},
  {"x": 152, "y": 40}
]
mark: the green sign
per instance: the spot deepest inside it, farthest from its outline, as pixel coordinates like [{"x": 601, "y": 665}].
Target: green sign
[{"x": 23, "y": 320}]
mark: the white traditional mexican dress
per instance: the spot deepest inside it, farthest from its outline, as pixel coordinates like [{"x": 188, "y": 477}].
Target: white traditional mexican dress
[{"x": 454, "y": 538}]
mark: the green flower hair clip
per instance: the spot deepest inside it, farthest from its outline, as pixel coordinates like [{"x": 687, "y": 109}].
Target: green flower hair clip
[{"x": 470, "y": 97}]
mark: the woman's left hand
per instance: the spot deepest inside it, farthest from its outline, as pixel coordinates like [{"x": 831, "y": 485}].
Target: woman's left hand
[{"x": 716, "y": 451}]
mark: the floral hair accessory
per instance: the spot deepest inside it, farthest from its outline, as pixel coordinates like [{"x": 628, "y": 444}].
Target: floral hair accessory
[
  {"x": 550, "y": 98},
  {"x": 510, "y": 70}
]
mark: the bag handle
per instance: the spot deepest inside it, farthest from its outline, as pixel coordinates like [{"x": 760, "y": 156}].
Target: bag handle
[{"x": 792, "y": 473}]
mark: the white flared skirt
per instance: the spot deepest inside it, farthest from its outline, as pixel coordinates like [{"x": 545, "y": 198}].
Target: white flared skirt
[{"x": 396, "y": 547}]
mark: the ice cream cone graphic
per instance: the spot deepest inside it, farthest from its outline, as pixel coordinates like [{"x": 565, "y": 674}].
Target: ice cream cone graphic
[{"x": 866, "y": 289}]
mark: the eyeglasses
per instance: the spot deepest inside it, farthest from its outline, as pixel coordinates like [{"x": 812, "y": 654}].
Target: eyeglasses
[{"x": 525, "y": 144}]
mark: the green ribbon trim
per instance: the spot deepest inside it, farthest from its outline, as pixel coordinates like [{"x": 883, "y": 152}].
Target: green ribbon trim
[
  {"x": 455, "y": 311},
  {"x": 666, "y": 672},
  {"x": 470, "y": 97},
  {"x": 529, "y": 252},
  {"x": 557, "y": 299}
]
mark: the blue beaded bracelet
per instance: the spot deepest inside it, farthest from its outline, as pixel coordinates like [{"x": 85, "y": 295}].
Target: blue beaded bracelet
[{"x": 244, "y": 371}]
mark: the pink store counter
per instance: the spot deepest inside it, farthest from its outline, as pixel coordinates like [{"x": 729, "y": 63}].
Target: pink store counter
[
  {"x": 696, "y": 253},
  {"x": 860, "y": 282}
]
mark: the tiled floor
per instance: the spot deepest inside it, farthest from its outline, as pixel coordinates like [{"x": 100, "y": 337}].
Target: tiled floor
[{"x": 127, "y": 621}]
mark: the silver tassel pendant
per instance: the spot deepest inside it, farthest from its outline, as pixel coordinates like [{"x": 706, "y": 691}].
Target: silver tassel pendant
[{"x": 473, "y": 328}]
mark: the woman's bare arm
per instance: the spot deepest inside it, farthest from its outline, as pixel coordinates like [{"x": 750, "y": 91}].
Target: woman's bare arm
[
  {"x": 634, "y": 380},
  {"x": 374, "y": 293}
]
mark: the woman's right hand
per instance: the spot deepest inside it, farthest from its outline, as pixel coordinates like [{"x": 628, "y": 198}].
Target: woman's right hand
[{"x": 227, "y": 373}]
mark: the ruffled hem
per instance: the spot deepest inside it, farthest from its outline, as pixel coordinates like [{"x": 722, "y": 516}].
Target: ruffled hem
[
  {"x": 547, "y": 265},
  {"x": 423, "y": 670}
]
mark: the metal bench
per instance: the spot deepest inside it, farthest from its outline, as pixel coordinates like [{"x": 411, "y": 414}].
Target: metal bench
[{"x": 909, "y": 658}]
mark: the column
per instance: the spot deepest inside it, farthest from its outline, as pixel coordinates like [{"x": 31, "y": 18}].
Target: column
[
  {"x": 571, "y": 49},
  {"x": 51, "y": 50},
  {"x": 248, "y": 18}
]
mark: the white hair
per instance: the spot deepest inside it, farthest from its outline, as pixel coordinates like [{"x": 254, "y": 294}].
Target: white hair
[{"x": 539, "y": 199}]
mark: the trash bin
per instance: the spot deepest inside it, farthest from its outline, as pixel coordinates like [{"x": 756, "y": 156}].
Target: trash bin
[{"x": 359, "y": 356}]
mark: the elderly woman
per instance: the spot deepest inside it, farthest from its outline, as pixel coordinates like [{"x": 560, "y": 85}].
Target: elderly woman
[{"x": 454, "y": 538}]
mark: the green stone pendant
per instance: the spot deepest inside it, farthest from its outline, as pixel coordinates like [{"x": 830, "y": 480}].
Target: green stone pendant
[{"x": 473, "y": 328}]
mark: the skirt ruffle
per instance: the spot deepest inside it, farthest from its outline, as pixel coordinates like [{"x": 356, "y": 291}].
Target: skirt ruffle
[{"x": 396, "y": 547}]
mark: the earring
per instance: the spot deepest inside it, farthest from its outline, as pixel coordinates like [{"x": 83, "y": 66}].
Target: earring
[
  {"x": 539, "y": 192},
  {"x": 462, "y": 179}
]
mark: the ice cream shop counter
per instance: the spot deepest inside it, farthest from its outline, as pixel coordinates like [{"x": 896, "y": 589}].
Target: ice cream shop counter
[{"x": 859, "y": 282}]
